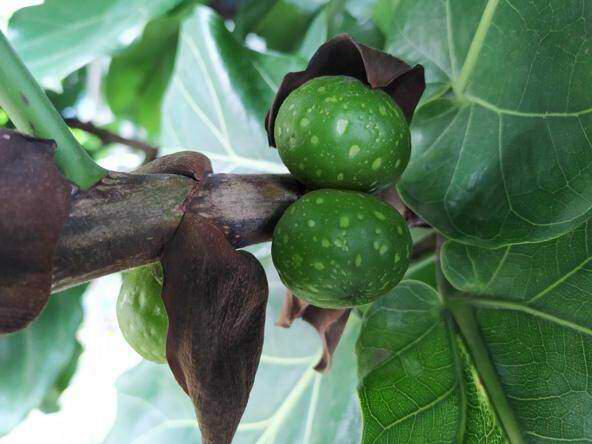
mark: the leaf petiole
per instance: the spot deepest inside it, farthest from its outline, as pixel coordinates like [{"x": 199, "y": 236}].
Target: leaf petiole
[{"x": 32, "y": 113}]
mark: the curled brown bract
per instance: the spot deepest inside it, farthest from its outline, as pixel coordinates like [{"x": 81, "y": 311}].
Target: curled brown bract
[
  {"x": 329, "y": 324},
  {"x": 184, "y": 163},
  {"x": 344, "y": 56},
  {"x": 34, "y": 202},
  {"x": 215, "y": 298}
]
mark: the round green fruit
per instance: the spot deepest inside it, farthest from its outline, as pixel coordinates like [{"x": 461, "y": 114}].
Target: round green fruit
[
  {"x": 337, "y": 248},
  {"x": 141, "y": 314},
  {"x": 337, "y": 132}
]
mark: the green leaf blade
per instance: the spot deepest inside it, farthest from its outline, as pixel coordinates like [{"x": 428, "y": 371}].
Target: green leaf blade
[
  {"x": 532, "y": 308},
  {"x": 58, "y": 37},
  {"x": 36, "y": 363},
  {"x": 219, "y": 94},
  {"x": 510, "y": 163},
  {"x": 138, "y": 76},
  {"x": 408, "y": 387}
]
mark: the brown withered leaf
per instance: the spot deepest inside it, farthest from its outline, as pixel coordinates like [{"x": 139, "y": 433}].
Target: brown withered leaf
[
  {"x": 344, "y": 56},
  {"x": 328, "y": 322},
  {"x": 34, "y": 203},
  {"x": 215, "y": 298}
]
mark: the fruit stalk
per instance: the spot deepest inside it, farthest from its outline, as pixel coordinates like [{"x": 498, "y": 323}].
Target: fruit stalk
[{"x": 32, "y": 113}]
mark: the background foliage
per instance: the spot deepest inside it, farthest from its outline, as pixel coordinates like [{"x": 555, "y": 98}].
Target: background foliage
[{"x": 488, "y": 343}]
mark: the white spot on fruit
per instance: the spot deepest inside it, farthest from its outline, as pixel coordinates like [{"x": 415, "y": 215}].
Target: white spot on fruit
[
  {"x": 358, "y": 260},
  {"x": 400, "y": 229},
  {"x": 319, "y": 266},
  {"x": 319, "y": 200},
  {"x": 354, "y": 150},
  {"x": 344, "y": 221},
  {"x": 342, "y": 126},
  {"x": 376, "y": 164},
  {"x": 314, "y": 140},
  {"x": 379, "y": 215},
  {"x": 311, "y": 223},
  {"x": 383, "y": 250},
  {"x": 340, "y": 176}
]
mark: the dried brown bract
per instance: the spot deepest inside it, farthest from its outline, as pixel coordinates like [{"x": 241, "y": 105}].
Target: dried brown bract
[
  {"x": 329, "y": 324},
  {"x": 34, "y": 203},
  {"x": 344, "y": 56},
  {"x": 215, "y": 298}
]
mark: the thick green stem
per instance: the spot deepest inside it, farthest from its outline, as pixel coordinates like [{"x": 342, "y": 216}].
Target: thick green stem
[{"x": 32, "y": 113}]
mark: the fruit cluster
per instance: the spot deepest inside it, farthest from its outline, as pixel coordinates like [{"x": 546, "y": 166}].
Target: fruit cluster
[{"x": 338, "y": 246}]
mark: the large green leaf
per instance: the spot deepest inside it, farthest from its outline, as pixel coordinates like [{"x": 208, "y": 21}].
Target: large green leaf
[
  {"x": 532, "y": 309},
  {"x": 282, "y": 23},
  {"x": 338, "y": 17},
  {"x": 219, "y": 94},
  {"x": 504, "y": 155},
  {"x": 60, "y": 36},
  {"x": 36, "y": 364},
  {"x": 417, "y": 382},
  {"x": 290, "y": 402},
  {"x": 139, "y": 75}
]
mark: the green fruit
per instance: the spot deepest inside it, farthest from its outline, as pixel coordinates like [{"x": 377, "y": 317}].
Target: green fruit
[
  {"x": 141, "y": 314},
  {"x": 336, "y": 132},
  {"x": 337, "y": 248}
]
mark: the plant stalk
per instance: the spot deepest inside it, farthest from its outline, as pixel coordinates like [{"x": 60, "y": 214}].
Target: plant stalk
[{"x": 32, "y": 113}]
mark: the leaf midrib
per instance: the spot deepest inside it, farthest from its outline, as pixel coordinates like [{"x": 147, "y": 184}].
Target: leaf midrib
[
  {"x": 476, "y": 46},
  {"x": 462, "y": 313},
  {"x": 504, "y": 304}
]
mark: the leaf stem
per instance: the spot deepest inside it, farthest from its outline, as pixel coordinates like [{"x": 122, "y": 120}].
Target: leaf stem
[
  {"x": 464, "y": 317},
  {"x": 32, "y": 113}
]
